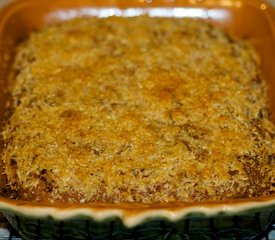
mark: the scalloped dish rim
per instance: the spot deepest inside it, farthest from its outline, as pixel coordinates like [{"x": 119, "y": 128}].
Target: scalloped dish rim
[{"x": 135, "y": 214}]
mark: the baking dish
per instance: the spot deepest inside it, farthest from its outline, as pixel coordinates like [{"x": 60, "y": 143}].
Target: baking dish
[{"x": 246, "y": 218}]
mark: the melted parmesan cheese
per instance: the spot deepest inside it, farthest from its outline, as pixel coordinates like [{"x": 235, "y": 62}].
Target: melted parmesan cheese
[{"x": 137, "y": 110}]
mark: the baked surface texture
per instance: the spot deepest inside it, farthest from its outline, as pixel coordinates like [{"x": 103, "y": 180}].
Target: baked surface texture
[{"x": 137, "y": 109}]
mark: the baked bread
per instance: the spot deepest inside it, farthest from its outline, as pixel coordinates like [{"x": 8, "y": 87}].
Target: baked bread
[{"x": 137, "y": 109}]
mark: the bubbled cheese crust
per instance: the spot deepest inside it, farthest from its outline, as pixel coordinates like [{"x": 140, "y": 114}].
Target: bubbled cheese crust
[{"x": 137, "y": 109}]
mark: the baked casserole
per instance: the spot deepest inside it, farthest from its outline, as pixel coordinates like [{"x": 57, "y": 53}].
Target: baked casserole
[{"x": 139, "y": 109}]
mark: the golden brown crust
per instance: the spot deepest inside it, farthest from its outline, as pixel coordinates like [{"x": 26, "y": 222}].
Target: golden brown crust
[{"x": 138, "y": 110}]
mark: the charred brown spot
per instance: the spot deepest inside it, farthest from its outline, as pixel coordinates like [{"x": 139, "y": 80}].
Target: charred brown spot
[
  {"x": 13, "y": 162},
  {"x": 184, "y": 33},
  {"x": 257, "y": 79},
  {"x": 49, "y": 184},
  {"x": 264, "y": 113},
  {"x": 13, "y": 194},
  {"x": 69, "y": 114},
  {"x": 233, "y": 172}
]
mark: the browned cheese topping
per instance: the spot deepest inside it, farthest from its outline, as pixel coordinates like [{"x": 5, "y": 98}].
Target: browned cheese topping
[{"x": 137, "y": 109}]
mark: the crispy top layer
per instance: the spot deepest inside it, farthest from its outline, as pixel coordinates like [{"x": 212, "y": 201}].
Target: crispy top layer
[{"x": 137, "y": 109}]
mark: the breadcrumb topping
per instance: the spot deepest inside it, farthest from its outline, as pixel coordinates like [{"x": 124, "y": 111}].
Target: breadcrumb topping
[{"x": 137, "y": 109}]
